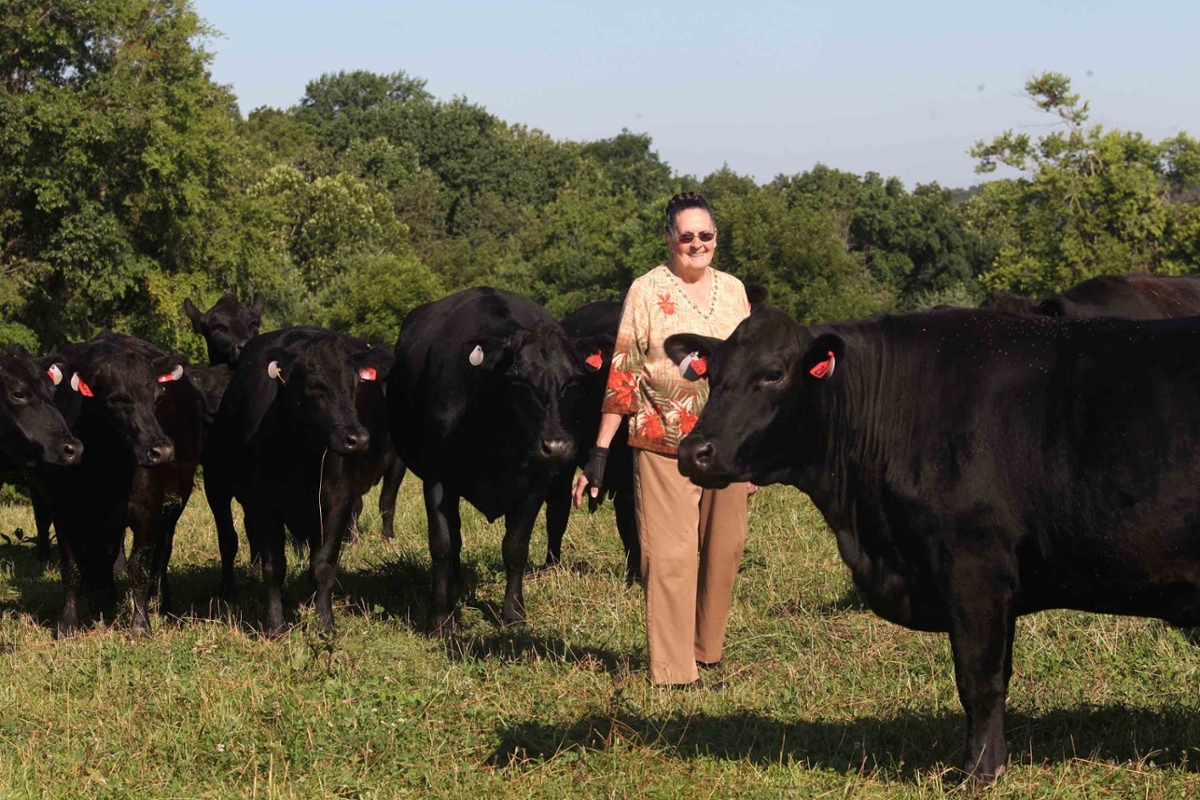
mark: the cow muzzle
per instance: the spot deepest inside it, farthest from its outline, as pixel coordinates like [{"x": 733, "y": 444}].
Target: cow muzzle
[
  {"x": 65, "y": 454},
  {"x": 555, "y": 448},
  {"x": 349, "y": 441},
  {"x": 159, "y": 452}
]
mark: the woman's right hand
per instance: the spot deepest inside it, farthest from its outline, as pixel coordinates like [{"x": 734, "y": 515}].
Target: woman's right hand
[{"x": 581, "y": 484}]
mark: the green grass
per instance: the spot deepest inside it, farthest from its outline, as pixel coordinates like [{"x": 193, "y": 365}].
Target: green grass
[{"x": 817, "y": 696}]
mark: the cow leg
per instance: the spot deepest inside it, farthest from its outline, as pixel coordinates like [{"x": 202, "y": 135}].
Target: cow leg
[
  {"x": 325, "y": 557},
  {"x": 352, "y": 525},
  {"x": 42, "y": 518},
  {"x": 120, "y": 564},
  {"x": 445, "y": 548},
  {"x": 265, "y": 529},
  {"x": 558, "y": 512},
  {"x": 981, "y": 636},
  {"x": 139, "y": 567},
  {"x": 68, "y": 619},
  {"x": 166, "y": 545},
  {"x": 518, "y": 526},
  {"x": 393, "y": 476},
  {"x": 627, "y": 527},
  {"x": 220, "y": 500}
]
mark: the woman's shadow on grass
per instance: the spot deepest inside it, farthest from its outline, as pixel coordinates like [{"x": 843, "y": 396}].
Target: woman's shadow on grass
[{"x": 907, "y": 747}]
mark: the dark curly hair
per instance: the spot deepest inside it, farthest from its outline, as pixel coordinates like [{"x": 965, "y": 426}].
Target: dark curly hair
[{"x": 684, "y": 202}]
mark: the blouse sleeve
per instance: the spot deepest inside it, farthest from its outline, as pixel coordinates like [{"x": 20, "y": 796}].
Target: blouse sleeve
[{"x": 629, "y": 355}]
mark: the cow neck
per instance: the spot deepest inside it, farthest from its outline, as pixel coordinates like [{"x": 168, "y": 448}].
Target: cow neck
[{"x": 863, "y": 419}]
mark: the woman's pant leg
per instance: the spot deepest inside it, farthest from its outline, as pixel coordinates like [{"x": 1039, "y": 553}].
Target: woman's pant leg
[
  {"x": 668, "y": 514},
  {"x": 722, "y": 538}
]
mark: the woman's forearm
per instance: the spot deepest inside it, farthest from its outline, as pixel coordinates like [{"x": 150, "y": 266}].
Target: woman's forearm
[{"x": 608, "y": 429}]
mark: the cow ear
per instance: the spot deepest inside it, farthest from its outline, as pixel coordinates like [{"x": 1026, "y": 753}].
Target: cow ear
[
  {"x": 595, "y": 351},
  {"x": 824, "y": 356},
  {"x": 376, "y": 363},
  {"x": 168, "y": 369},
  {"x": 483, "y": 355},
  {"x": 756, "y": 295},
  {"x": 681, "y": 345},
  {"x": 256, "y": 307},
  {"x": 194, "y": 315},
  {"x": 265, "y": 380}
]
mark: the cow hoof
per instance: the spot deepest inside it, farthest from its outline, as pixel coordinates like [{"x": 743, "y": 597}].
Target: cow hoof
[
  {"x": 141, "y": 630},
  {"x": 513, "y": 619},
  {"x": 982, "y": 776},
  {"x": 66, "y": 630}
]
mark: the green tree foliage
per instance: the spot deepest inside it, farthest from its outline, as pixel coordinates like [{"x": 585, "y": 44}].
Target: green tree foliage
[
  {"x": 129, "y": 181},
  {"x": 1089, "y": 202},
  {"x": 116, "y": 151}
]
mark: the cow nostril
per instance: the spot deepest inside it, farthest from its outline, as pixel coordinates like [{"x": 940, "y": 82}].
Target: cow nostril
[
  {"x": 357, "y": 441},
  {"x": 556, "y": 448},
  {"x": 69, "y": 450},
  {"x": 160, "y": 453},
  {"x": 703, "y": 455}
]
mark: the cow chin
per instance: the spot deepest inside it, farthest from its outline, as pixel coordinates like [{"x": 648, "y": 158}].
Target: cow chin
[{"x": 700, "y": 460}]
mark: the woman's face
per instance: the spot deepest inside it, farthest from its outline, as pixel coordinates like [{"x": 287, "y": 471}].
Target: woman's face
[{"x": 695, "y": 255}]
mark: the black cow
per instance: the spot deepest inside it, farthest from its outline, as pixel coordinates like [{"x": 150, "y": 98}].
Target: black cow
[
  {"x": 33, "y": 430},
  {"x": 1125, "y": 296},
  {"x": 301, "y": 433},
  {"x": 140, "y": 420},
  {"x": 480, "y": 402},
  {"x": 593, "y": 331},
  {"x": 974, "y": 467},
  {"x": 227, "y": 326}
]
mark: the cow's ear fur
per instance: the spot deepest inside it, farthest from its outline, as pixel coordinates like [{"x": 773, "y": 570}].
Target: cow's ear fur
[
  {"x": 262, "y": 390},
  {"x": 382, "y": 358},
  {"x": 678, "y": 346},
  {"x": 757, "y": 295},
  {"x": 819, "y": 351},
  {"x": 588, "y": 346},
  {"x": 256, "y": 307},
  {"x": 194, "y": 315},
  {"x": 164, "y": 364}
]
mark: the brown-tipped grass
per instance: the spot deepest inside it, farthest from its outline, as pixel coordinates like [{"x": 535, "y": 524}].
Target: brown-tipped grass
[{"x": 817, "y": 697}]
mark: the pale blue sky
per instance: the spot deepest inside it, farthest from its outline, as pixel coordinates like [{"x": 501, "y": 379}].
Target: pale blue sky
[{"x": 899, "y": 88}]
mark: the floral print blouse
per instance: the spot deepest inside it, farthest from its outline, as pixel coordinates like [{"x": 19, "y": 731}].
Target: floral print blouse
[{"x": 643, "y": 381}]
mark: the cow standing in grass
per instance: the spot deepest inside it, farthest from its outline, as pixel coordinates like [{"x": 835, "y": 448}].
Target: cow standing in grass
[
  {"x": 140, "y": 421},
  {"x": 301, "y": 433},
  {"x": 974, "y": 467},
  {"x": 480, "y": 403}
]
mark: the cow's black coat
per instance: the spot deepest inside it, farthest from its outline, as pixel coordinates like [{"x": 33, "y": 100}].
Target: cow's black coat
[
  {"x": 975, "y": 467},
  {"x": 142, "y": 432},
  {"x": 1125, "y": 296},
  {"x": 593, "y": 331},
  {"x": 32, "y": 430},
  {"x": 296, "y": 450},
  {"x": 492, "y": 433}
]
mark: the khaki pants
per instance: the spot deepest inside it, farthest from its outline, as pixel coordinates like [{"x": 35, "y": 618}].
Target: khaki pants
[{"x": 687, "y": 598}]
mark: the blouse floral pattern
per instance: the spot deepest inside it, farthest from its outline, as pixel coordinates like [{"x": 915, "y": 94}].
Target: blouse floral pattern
[{"x": 643, "y": 382}]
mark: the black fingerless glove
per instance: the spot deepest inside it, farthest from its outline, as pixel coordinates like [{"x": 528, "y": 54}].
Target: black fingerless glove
[{"x": 594, "y": 471}]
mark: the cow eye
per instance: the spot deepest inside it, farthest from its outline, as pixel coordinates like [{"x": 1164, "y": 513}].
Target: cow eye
[
  {"x": 774, "y": 376},
  {"x": 18, "y": 396}
]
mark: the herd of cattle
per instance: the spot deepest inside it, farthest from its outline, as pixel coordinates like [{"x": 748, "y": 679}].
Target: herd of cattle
[{"x": 975, "y": 464}]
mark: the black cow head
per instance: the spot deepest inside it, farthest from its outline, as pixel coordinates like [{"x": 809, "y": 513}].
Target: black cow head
[
  {"x": 226, "y": 327},
  {"x": 313, "y": 384},
  {"x": 114, "y": 392},
  {"x": 32, "y": 429},
  {"x": 762, "y": 381},
  {"x": 538, "y": 376}
]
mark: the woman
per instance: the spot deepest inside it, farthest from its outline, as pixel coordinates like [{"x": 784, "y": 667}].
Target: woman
[{"x": 687, "y": 598}]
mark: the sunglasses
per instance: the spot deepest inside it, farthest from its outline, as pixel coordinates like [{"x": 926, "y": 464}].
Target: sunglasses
[{"x": 704, "y": 236}]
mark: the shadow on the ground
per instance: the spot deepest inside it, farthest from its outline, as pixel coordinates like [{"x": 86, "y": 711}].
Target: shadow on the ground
[{"x": 904, "y": 747}]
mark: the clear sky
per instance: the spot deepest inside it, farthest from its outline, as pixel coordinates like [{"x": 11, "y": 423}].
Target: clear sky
[{"x": 901, "y": 88}]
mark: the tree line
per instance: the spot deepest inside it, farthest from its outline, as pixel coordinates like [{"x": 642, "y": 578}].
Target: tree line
[{"x": 130, "y": 180}]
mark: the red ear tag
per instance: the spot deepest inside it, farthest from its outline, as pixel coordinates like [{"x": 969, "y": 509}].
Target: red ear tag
[
  {"x": 700, "y": 365},
  {"x": 173, "y": 375},
  {"x": 823, "y": 369},
  {"x": 595, "y": 361},
  {"x": 77, "y": 383},
  {"x": 367, "y": 373}
]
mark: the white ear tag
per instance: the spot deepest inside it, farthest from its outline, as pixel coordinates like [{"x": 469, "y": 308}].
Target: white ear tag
[
  {"x": 75, "y": 381},
  {"x": 273, "y": 372},
  {"x": 55, "y": 374},
  {"x": 476, "y": 357},
  {"x": 173, "y": 375}
]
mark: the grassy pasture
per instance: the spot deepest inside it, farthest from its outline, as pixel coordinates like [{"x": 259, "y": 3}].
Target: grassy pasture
[{"x": 817, "y": 697}]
